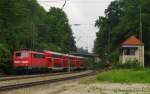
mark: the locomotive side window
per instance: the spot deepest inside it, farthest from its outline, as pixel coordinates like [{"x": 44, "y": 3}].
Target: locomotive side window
[
  {"x": 18, "y": 54},
  {"x": 22, "y": 54},
  {"x": 38, "y": 56}
]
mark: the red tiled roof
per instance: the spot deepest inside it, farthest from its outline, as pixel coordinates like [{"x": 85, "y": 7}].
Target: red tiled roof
[{"x": 132, "y": 41}]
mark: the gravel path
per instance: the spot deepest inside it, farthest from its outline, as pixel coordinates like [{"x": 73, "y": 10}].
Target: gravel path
[{"x": 75, "y": 87}]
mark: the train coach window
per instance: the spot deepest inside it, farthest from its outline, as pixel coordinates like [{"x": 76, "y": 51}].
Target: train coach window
[
  {"x": 71, "y": 58},
  {"x": 56, "y": 56},
  {"x": 22, "y": 54},
  {"x": 38, "y": 56}
]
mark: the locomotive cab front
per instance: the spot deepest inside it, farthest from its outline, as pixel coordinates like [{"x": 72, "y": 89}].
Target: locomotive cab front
[{"x": 21, "y": 58}]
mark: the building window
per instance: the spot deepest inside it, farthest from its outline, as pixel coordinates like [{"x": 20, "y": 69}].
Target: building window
[
  {"x": 129, "y": 51},
  {"x": 132, "y": 51}
]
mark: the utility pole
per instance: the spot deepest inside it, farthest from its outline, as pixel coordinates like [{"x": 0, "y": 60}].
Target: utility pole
[
  {"x": 140, "y": 33},
  {"x": 140, "y": 36},
  {"x": 33, "y": 40}
]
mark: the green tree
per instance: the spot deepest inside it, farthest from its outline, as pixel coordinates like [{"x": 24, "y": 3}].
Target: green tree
[
  {"x": 121, "y": 20},
  {"x": 25, "y": 24}
]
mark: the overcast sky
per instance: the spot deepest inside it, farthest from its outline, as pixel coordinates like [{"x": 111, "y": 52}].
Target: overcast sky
[{"x": 83, "y": 12}]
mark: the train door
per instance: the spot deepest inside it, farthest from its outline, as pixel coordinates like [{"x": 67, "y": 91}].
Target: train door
[{"x": 49, "y": 62}]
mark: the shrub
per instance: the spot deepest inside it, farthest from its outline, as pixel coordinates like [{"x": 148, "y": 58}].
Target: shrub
[
  {"x": 128, "y": 64},
  {"x": 90, "y": 64},
  {"x": 5, "y": 59}
]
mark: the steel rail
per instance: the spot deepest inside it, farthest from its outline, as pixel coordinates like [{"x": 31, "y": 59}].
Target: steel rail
[
  {"x": 33, "y": 76},
  {"x": 30, "y": 84}
]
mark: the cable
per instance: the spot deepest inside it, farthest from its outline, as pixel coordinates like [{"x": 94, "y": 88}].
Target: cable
[
  {"x": 78, "y": 24},
  {"x": 54, "y": 1},
  {"x": 64, "y": 4},
  {"x": 59, "y": 1},
  {"x": 50, "y": 0}
]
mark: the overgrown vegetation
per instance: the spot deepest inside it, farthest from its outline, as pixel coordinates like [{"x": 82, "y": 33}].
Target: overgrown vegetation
[
  {"x": 90, "y": 64},
  {"x": 130, "y": 64}
]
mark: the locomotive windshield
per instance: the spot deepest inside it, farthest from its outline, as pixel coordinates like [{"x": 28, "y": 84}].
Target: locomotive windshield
[{"x": 22, "y": 54}]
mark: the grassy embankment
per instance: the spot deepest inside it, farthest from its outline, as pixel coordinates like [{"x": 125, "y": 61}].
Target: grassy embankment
[{"x": 123, "y": 76}]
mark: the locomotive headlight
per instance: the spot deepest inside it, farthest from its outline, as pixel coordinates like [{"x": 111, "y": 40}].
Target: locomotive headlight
[
  {"x": 24, "y": 61},
  {"x": 20, "y": 62},
  {"x": 16, "y": 61}
]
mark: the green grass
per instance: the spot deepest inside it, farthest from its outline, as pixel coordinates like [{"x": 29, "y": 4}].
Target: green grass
[{"x": 124, "y": 76}]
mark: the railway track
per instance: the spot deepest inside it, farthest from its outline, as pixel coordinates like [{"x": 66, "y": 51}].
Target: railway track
[
  {"x": 44, "y": 80},
  {"x": 33, "y": 76}
]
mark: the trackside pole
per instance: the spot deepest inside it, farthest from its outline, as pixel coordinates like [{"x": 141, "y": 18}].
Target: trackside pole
[{"x": 69, "y": 69}]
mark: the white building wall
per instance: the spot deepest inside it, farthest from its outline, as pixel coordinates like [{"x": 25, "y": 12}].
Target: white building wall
[{"x": 139, "y": 55}]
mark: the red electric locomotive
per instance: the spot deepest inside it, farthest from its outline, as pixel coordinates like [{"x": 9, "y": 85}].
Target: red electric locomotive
[{"x": 27, "y": 59}]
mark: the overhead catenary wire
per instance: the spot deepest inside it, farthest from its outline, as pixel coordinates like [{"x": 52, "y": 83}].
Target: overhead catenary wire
[
  {"x": 60, "y": 1},
  {"x": 64, "y": 4},
  {"x": 51, "y": 1}
]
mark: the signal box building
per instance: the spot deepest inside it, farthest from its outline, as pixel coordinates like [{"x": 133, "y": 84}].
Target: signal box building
[{"x": 132, "y": 49}]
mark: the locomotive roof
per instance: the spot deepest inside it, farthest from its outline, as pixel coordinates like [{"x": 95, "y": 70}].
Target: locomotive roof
[
  {"x": 52, "y": 52},
  {"x": 29, "y": 51}
]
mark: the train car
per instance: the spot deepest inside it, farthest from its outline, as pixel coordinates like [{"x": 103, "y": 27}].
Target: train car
[
  {"x": 82, "y": 63},
  {"x": 54, "y": 60},
  {"x": 47, "y": 60},
  {"x": 72, "y": 62},
  {"x": 65, "y": 61},
  {"x": 78, "y": 62},
  {"x": 27, "y": 59}
]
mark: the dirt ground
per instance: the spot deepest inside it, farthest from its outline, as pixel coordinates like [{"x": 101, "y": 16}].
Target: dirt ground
[{"x": 76, "y": 87}]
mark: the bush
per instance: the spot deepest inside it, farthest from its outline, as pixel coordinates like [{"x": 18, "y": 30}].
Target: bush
[
  {"x": 5, "y": 59},
  {"x": 90, "y": 64},
  {"x": 6, "y": 68},
  {"x": 128, "y": 64},
  {"x": 114, "y": 57}
]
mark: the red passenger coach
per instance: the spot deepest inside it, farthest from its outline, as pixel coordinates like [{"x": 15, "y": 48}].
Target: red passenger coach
[
  {"x": 54, "y": 60},
  {"x": 78, "y": 62},
  {"x": 29, "y": 59},
  {"x": 65, "y": 61},
  {"x": 82, "y": 62},
  {"x": 72, "y": 62}
]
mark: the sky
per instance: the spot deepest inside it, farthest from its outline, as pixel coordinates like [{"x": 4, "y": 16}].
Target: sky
[{"x": 83, "y": 12}]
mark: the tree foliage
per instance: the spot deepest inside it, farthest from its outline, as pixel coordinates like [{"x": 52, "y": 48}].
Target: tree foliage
[
  {"x": 121, "y": 20},
  {"x": 25, "y": 24}
]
